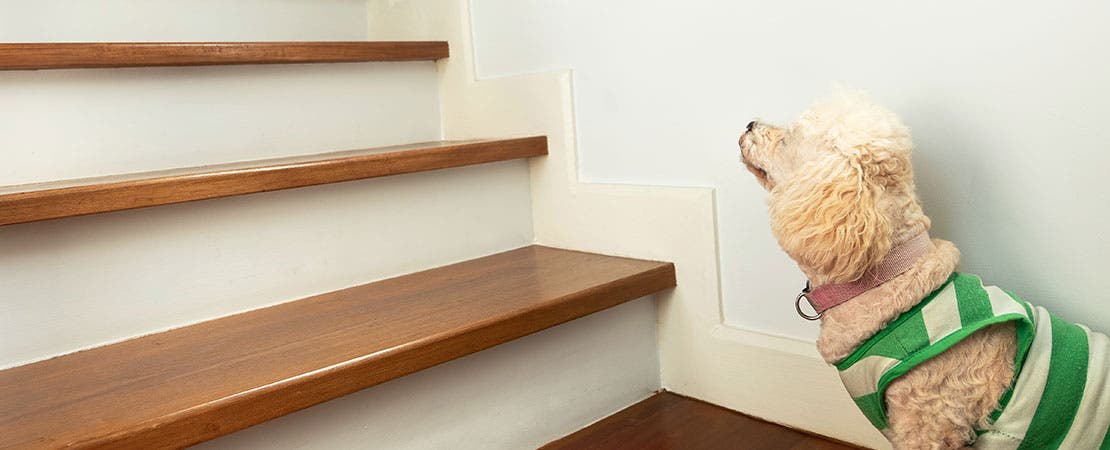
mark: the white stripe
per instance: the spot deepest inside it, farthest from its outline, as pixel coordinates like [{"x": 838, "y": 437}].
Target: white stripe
[
  {"x": 1093, "y": 416},
  {"x": 996, "y": 441},
  {"x": 1003, "y": 303},
  {"x": 1015, "y": 419},
  {"x": 942, "y": 315},
  {"x": 862, "y": 378}
]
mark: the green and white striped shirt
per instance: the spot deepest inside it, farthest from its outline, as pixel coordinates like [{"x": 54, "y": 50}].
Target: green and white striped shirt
[{"x": 1060, "y": 398}]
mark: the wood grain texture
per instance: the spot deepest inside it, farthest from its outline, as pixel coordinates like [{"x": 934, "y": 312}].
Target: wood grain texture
[
  {"x": 93, "y": 55},
  {"x": 666, "y": 421},
  {"x": 42, "y": 201},
  {"x": 195, "y": 383}
]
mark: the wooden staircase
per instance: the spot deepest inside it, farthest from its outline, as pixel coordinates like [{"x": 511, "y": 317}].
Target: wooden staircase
[
  {"x": 56, "y": 199},
  {"x": 203, "y": 380},
  {"x": 220, "y": 376}
]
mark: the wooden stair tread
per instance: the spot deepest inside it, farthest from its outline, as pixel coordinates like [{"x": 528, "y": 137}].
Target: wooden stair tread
[
  {"x": 669, "y": 421},
  {"x": 195, "y": 383},
  {"x": 93, "y": 55},
  {"x": 51, "y": 200}
]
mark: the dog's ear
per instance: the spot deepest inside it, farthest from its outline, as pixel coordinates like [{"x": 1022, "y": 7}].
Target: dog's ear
[{"x": 827, "y": 218}]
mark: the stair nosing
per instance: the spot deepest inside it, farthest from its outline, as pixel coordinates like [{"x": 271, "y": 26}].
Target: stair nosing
[
  {"x": 77, "y": 197},
  {"x": 101, "y": 55}
]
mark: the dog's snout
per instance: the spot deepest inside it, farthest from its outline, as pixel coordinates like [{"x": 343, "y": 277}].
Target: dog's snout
[{"x": 751, "y": 125}]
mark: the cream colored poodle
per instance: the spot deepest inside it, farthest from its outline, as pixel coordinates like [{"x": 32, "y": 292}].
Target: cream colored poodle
[{"x": 927, "y": 353}]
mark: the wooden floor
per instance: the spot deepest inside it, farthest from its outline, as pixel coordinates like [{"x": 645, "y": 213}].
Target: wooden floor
[{"x": 669, "y": 421}]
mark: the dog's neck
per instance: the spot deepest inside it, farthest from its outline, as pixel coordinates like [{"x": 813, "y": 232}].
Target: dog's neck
[
  {"x": 848, "y": 325},
  {"x": 900, "y": 259}
]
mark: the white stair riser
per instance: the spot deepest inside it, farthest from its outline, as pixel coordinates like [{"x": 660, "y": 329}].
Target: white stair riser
[
  {"x": 85, "y": 281},
  {"x": 517, "y": 395},
  {"x": 63, "y": 124},
  {"x": 181, "y": 20}
]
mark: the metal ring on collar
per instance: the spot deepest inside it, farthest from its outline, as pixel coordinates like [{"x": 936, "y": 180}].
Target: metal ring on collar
[{"x": 798, "y": 305}]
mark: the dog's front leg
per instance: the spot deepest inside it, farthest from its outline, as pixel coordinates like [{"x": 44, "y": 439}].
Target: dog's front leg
[{"x": 940, "y": 403}]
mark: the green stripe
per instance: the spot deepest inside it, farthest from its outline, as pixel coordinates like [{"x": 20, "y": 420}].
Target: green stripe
[
  {"x": 865, "y": 350},
  {"x": 1063, "y": 388},
  {"x": 887, "y": 342},
  {"x": 872, "y": 407},
  {"x": 973, "y": 300},
  {"x": 909, "y": 337},
  {"x": 1025, "y": 332},
  {"x": 912, "y": 336},
  {"x": 1105, "y": 442}
]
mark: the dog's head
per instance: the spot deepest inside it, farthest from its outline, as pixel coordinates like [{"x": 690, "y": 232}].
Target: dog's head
[{"x": 838, "y": 178}]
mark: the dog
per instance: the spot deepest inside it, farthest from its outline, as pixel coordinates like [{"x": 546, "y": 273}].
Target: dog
[{"x": 934, "y": 358}]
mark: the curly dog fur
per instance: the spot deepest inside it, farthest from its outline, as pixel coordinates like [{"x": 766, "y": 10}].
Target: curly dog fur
[{"x": 842, "y": 195}]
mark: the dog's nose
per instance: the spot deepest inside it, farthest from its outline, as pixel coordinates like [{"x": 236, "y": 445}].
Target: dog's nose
[{"x": 751, "y": 125}]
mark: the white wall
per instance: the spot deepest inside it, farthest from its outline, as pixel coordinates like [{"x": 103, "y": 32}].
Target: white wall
[{"x": 1007, "y": 101}]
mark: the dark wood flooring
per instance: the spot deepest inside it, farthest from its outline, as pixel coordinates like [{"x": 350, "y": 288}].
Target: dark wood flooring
[{"x": 669, "y": 421}]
